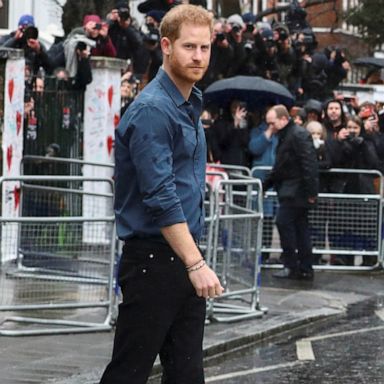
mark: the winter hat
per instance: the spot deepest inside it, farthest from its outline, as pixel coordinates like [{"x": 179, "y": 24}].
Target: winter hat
[
  {"x": 88, "y": 18},
  {"x": 26, "y": 21},
  {"x": 267, "y": 34},
  {"x": 249, "y": 17},
  {"x": 236, "y": 19},
  {"x": 156, "y": 14}
]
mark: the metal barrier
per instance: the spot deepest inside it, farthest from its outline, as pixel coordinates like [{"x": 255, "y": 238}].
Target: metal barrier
[
  {"x": 342, "y": 224},
  {"x": 238, "y": 219},
  {"x": 52, "y": 270},
  {"x": 36, "y": 165},
  {"x": 206, "y": 240},
  {"x": 232, "y": 171}
]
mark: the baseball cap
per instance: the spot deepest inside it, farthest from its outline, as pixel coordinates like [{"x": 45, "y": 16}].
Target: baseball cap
[{"x": 26, "y": 20}]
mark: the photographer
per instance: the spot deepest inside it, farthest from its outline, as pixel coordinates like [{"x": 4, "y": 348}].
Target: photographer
[
  {"x": 151, "y": 57},
  {"x": 353, "y": 150},
  {"x": 371, "y": 125},
  {"x": 312, "y": 68},
  {"x": 232, "y": 133},
  {"x": 124, "y": 36},
  {"x": 286, "y": 57},
  {"x": 221, "y": 57},
  {"x": 266, "y": 55},
  {"x": 338, "y": 67},
  {"x": 97, "y": 31},
  {"x": 26, "y": 38},
  {"x": 235, "y": 27}
]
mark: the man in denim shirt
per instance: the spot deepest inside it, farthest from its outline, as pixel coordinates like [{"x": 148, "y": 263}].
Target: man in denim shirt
[{"x": 160, "y": 182}]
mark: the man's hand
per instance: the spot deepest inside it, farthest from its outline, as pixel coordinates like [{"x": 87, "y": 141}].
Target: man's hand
[
  {"x": 342, "y": 134},
  {"x": 203, "y": 279},
  {"x": 104, "y": 30},
  {"x": 34, "y": 44},
  {"x": 19, "y": 34},
  {"x": 205, "y": 282}
]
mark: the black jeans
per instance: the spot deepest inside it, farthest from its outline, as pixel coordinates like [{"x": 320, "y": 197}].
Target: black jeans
[
  {"x": 160, "y": 314},
  {"x": 295, "y": 237}
]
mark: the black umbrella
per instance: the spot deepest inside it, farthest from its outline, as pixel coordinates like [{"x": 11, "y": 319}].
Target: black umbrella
[
  {"x": 369, "y": 61},
  {"x": 255, "y": 91}
]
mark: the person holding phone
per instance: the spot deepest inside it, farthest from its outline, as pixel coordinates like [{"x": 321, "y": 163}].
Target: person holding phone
[{"x": 232, "y": 133}]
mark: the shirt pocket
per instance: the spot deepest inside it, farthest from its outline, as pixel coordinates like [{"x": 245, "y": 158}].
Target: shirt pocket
[{"x": 189, "y": 139}]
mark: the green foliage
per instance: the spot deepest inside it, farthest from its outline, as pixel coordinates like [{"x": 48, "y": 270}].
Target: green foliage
[
  {"x": 368, "y": 16},
  {"x": 74, "y": 11}
]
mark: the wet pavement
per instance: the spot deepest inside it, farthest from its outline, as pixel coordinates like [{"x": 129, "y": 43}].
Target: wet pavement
[
  {"x": 81, "y": 358},
  {"x": 348, "y": 350}
]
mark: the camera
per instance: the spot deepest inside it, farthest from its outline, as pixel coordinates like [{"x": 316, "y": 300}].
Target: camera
[
  {"x": 220, "y": 36},
  {"x": 97, "y": 26},
  {"x": 206, "y": 122},
  {"x": 354, "y": 139},
  {"x": 236, "y": 28},
  {"x": 81, "y": 46},
  {"x": 31, "y": 33},
  {"x": 283, "y": 35},
  {"x": 250, "y": 28}
]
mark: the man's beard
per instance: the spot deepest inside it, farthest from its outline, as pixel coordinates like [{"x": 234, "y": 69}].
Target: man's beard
[{"x": 186, "y": 73}]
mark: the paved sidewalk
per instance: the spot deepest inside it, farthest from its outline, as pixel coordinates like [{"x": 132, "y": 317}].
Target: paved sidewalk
[{"x": 81, "y": 358}]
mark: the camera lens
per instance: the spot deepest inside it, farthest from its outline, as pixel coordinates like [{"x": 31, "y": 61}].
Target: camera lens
[
  {"x": 235, "y": 28},
  {"x": 220, "y": 36}
]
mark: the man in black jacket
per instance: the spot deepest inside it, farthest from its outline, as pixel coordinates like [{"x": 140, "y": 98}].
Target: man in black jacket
[{"x": 295, "y": 178}]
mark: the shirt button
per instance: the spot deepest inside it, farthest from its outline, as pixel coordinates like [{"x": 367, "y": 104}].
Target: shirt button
[
  {"x": 172, "y": 258},
  {"x": 144, "y": 270},
  {"x": 151, "y": 256}
]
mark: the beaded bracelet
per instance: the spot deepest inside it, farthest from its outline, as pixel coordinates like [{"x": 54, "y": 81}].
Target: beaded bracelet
[
  {"x": 192, "y": 269},
  {"x": 191, "y": 266}
]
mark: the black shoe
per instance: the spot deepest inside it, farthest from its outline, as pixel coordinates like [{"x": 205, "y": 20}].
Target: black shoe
[
  {"x": 287, "y": 273},
  {"x": 306, "y": 275}
]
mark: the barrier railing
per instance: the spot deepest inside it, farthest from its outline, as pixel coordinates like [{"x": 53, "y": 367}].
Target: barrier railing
[
  {"x": 342, "y": 225},
  {"x": 238, "y": 219},
  {"x": 55, "y": 264}
]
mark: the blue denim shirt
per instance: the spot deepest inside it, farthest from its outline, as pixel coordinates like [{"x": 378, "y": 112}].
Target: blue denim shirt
[{"x": 160, "y": 157}]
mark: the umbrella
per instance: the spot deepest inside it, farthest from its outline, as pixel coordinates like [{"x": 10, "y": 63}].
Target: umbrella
[
  {"x": 369, "y": 61},
  {"x": 255, "y": 91}
]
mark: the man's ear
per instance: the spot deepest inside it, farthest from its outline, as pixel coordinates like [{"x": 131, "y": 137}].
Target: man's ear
[{"x": 166, "y": 45}]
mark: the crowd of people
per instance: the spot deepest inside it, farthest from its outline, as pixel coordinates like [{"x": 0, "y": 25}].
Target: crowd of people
[{"x": 345, "y": 134}]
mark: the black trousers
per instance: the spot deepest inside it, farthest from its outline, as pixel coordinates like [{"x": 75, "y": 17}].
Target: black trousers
[
  {"x": 160, "y": 314},
  {"x": 295, "y": 238}
]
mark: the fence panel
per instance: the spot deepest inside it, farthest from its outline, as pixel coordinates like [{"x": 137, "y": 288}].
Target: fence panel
[
  {"x": 62, "y": 283},
  {"x": 236, "y": 249},
  {"x": 54, "y": 116},
  {"x": 342, "y": 224}
]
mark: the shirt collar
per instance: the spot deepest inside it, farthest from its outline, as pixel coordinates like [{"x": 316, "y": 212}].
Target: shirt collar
[{"x": 170, "y": 87}]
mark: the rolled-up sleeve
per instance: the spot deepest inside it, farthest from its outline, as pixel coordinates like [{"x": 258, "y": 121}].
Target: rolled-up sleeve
[{"x": 151, "y": 149}]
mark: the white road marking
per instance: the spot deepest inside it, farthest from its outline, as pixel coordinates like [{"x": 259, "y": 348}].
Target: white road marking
[
  {"x": 304, "y": 350},
  {"x": 380, "y": 313},
  {"x": 247, "y": 372},
  {"x": 304, "y": 353}
]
